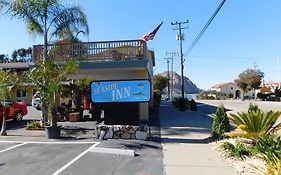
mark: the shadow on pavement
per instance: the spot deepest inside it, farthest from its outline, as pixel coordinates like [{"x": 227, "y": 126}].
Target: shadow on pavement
[
  {"x": 188, "y": 126},
  {"x": 180, "y": 140},
  {"x": 208, "y": 109},
  {"x": 11, "y": 125}
]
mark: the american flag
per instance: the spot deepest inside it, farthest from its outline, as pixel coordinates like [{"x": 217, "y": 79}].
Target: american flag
[{"x": 150, "y": 35}]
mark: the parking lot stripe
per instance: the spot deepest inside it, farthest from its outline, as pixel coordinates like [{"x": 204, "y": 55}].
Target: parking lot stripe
[
  {"x": 4, "y": 141},
  {"x": 75, "y": 159},
  {"x": 12, "y": 147}
]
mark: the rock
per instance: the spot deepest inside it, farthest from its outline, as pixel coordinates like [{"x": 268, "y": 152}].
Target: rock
[
  {"x": 141, "y": 135},
  {"x": 102, "y": 133},
  {"x": 117, "y": 127},
  {"x": 123, "y": 128},
  {"x": 131, "y": 131},
  {"x": 125, "y": 135},
  {"x": 109, "y": 134},
  {"x": 135, "y": 128},
  {"x": 133, "y": 136}
]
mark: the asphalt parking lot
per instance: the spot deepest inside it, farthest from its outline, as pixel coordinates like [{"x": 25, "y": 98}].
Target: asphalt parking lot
[
  {"x": 35, "y": 158},
  {"x": 30, "y": 153},
  {"x": 67, "y": 158}
]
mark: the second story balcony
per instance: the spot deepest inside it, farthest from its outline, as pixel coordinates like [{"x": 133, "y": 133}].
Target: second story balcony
[{"x": 95, "y": 51}]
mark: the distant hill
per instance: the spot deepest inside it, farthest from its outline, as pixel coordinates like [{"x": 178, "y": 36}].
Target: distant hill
[{"x": 189, "y": 87}]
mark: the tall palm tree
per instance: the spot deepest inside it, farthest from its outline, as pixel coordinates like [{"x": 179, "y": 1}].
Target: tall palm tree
[{"x": 50, "y": 19}]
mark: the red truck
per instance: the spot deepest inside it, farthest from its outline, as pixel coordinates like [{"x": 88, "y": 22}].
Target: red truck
[{"x": 13, "y": 110}]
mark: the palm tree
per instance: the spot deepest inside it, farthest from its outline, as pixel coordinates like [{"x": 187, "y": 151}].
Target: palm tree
[
  {"x": 7, "y": 81},
  {"x": 50, "y": 19}
]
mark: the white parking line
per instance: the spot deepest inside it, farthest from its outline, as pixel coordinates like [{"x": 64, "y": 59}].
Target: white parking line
[
  {"x": 4, "y": 141},
  {"x": 12, "y": 147},
  {"x": 75, "y": 159}
]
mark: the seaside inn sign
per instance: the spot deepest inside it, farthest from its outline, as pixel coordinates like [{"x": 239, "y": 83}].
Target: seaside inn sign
[{"x": 120, "y": 91}]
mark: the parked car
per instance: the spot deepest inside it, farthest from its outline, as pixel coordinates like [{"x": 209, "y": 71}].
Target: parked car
[
  {"x": 36, "y": 101},
  {"x": 13, "y": 110}
]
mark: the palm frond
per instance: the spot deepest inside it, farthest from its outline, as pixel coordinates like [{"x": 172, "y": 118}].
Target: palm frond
[
  {"x": 68, "y": 21},
  {"x": 256, "y": 123}
]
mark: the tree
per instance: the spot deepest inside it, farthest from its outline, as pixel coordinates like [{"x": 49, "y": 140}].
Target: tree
[
  {"x": 4, "y": 58},
  {"x": 160, "y": 82},
  {"x": 7, "y": 81},
  {"x": 249, "y": 79},
  {"x": 15, "y": 56},
  {"x": 277, "y": 93},
  {"x": 48, "y": 18},
  {"x": 220, "y": 124},
  {"x": 55, "y": 73}
]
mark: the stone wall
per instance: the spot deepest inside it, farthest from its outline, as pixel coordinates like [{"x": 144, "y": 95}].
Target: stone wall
[{"x": 121, "y": 132}]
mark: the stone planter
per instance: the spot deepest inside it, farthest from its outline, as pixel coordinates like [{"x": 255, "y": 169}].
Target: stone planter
[
  {"x": 121, "y": 132},
  {"x": 52, "y": 132},
  {"x": 74, "y": 117}
]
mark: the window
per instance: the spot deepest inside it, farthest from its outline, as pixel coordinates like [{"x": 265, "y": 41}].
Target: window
[
  {"x": 231, "y": 88},
  {"x": 21, "y": 93}
]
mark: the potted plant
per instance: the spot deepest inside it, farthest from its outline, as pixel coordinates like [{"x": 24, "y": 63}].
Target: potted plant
[
  {"x": 47, "y": 77},
  {"x": 79, "y": 89}
]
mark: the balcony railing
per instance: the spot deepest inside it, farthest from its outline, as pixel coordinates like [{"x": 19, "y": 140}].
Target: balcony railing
[{"x": 93, "y": 51}]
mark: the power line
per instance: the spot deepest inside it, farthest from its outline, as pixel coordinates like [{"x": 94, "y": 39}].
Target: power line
[
  {"x": 231, "y": 57},
  {"x": 205, "y": 28}
]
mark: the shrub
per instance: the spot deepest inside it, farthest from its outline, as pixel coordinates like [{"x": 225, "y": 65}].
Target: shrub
[
  {"x": 253, "y": 107},
  {"x": 270, "y": 146},
  {"x": 238, "y": 150},
  {"x": 229, "y": 95},
  {"x": 182, "y": 104},
  {"x": 34, "y": 125},
  {"x": 156, "y": 98},
  {"x": 193, "y": 105},
  {"x": 254, "y": 124},
  {"x": 220, "y": 124},
  {"x": 273, "y": 166}
]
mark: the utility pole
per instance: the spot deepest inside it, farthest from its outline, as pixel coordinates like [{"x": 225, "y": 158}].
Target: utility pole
[
  {"x": 172, "y": 69},
  {"x": 168, "y": 73},
  {"x": 180, "y": 38},
  {"x": 255, "y": 65}
]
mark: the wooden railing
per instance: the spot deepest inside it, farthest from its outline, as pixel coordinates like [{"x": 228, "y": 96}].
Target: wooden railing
[{"x": 93, "y": 51}]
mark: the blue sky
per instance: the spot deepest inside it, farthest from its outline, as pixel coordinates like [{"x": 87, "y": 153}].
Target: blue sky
[{"x": 244, "y": 32}]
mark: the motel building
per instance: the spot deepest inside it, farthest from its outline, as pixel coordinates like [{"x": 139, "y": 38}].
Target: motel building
[{"x": 121, "y": 71}]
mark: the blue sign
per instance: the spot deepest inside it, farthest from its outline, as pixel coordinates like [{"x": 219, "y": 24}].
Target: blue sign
[{"x": 120, "y": 91}]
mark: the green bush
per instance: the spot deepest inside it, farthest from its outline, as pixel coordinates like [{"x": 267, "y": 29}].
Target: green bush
[
  {"x": 253, "y": 107},
  {"x": 34, "y": 125},
  {"x": 193, "y": 105},
  {"x": 273, "y": 166},
  {"x": 156, "y": 98},
  {"x": 229, "y": 95},
  {"x": 182, "y": 104},
  {"x": 220, "y": 124},
  {"x": 270, "y": 146},
  {"x": 238, "y": 150},
  {"x": 255, "y": 124}
]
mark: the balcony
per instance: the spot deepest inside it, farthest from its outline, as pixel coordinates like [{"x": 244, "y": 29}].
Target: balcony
[{"x": 96, "y": 51}]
